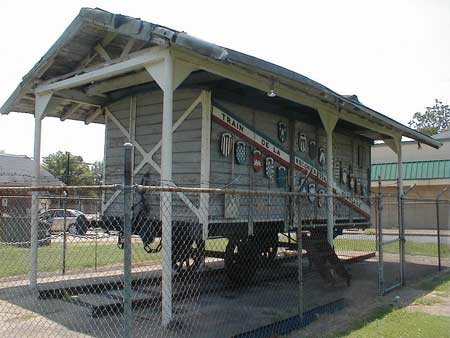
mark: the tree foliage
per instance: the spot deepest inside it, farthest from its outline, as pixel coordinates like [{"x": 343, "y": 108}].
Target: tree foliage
[
  {"x": 434, "y": 120},
  {"x": 80, "y": 172}
]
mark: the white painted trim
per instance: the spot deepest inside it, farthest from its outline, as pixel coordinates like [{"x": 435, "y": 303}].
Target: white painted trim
[
  {"x": 148, "y": 159},
  {"x": 329, "y": 122},
  {"x": 154, "y": 56},
  {"x": 182, "y": 71},
  {"x": 105, "y": 149},
  {"x": 205, "y": 161},
  {"x": 180, "y": 120},
  {"x": 116, "y": 83},
  {"x": 40, "y": 104},
  {"x": 111, "y": 200},
  {"x": 166, "y": 83},
  {"x": 132, "y": 130}
]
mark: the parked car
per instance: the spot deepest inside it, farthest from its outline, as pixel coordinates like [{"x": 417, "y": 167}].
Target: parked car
[{"x": 77, "y": 223}]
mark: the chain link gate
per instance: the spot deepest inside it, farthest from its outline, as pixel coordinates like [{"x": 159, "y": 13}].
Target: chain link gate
[{"x": 389, "y": 239}]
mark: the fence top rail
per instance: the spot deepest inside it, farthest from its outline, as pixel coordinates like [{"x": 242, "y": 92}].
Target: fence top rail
[
  {"x": 426, "y": 199},
  {"x": 219, "y": 191},
  {"x": 61, "y": 189}
]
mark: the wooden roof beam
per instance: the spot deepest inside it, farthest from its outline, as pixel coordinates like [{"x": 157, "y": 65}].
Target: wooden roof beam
[
  {"x": 77, "y": 96},
  {"x": 92, "y": 115},
  {"x": 105, "y": 42},
  {"x": 126, "y": 50},
  {"x": 119, "y": 83},
  {"x": 70, "y": 111},
  {"x": 152, "y": 55}
]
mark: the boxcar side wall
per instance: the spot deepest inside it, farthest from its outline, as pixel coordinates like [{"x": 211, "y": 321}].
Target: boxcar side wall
[
  {"x": 231, "y": 157},
  {"x": 255, "y": 127},
  {"x": 147, "y": 131}
]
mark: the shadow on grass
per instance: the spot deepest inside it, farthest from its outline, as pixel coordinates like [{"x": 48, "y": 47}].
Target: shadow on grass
[
  {"x": 383, "y": 321},
  {"x": 439, "y": 282},
  {"x": 377, "y": 314}
]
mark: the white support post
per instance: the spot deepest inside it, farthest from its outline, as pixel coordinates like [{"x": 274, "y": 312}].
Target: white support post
[
  {"x": 168, "y": 78},
  {"x": 329, "y": 122},
  {"x": 396, "y": 145},
  {"x": 398, "y": 142},
  {"x": 41, "y": 103},
  {"x": 166, "y": 197},
  {"x": 330, "y": 181},
  {"x": 132, "y": 131},
  {"x": 205, "y": 161}
]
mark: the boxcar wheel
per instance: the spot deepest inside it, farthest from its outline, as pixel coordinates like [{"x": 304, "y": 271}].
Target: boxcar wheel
[
  {"x": 269, "y": 246},
  {"x": 188, "y": 255},
  {"x": 241, "y": 260}
]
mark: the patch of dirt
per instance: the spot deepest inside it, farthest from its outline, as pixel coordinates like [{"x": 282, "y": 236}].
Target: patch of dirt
[
  {"x": 18, "y": 322},
  {"x": 436, "y": 303}
]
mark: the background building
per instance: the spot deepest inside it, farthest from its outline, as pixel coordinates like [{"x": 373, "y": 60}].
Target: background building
[{"x": 426, "y": 173}]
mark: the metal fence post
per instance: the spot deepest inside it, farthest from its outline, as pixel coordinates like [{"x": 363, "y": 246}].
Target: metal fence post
[
  {"x": 401, "y": 232},
  {"x": 300, "y": 259},
  {"x": 127, "y": 213},
  {"x": 438, "y": 226},
  {"x": 438, "y": 229},
  {"x": 64, "y": 236},
  {"x": 380, "y": 245}
]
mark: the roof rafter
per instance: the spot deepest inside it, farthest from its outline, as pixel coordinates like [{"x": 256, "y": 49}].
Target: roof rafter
[
  {"x": 153, "y": 55},
  {"x": 110, "y": 36},
  {"x": 70, "y": 112}
]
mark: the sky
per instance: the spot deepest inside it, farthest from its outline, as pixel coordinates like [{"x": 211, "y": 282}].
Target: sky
[{"x": 395, "y": 55}]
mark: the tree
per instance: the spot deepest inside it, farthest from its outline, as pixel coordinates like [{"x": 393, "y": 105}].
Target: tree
[
  {"x": 434, "y": 120},
  {"x": 80, "y": 173},
  {"x": 97, "y": 171}
]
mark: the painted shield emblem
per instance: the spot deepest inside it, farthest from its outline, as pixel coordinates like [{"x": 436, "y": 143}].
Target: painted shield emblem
[
  {"x": 282, "y": 131},
  {"x": 281, "y": 177},
  {"x": 352, "y": 182},
  {"x": 361, "y": 189},
  {"x": 302, "y": 186},
  {"x": 270, "y": 168},
  {"x": 241, "y": 152},
  {"x": 226, "y": 142},
  {"x": 301, "y": 142},
  {"x": 312, "y": 148},
  {"x": 321, "y": 199},
  {"x": 321, "y": 156},
  {"x": 257, "y": 160},
  {"x": 344, "y": 176},
  {"x": 312, "y": 191}
]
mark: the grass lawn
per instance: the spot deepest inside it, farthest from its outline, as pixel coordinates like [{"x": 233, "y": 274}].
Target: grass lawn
[
  {"x": 15, "y": 260},
  {"x": 412, "y": 248},
  {"x": 79, "y": 256},
  {"x": 398, "y": 323}
]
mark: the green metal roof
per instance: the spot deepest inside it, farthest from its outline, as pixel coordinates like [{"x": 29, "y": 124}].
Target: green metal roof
[{"x": 417, "y": 170}]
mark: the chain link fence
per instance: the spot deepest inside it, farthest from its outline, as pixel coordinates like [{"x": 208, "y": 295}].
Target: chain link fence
[{"x": 187, "y": 262}]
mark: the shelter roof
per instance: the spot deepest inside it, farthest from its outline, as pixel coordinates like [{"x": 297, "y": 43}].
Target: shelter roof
[{"x": 96, "y": 37}]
